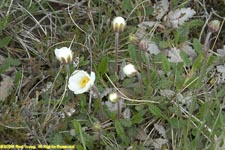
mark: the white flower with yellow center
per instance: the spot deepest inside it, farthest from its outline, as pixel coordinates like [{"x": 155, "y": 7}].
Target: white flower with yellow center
[
  {"x": 130, "y": 70},
  {"x": 80, "y": 81},
  {"x": 64, "y": 54}
]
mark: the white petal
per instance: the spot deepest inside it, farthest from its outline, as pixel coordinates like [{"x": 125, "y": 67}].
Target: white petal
[
  {"x": 63, "y": 52},
  {"x": 119, "y": 20},
  {"x": 92, "y": 77},
  {"x": 129, "y": 70},
  {"x": 75, "y": 81}
]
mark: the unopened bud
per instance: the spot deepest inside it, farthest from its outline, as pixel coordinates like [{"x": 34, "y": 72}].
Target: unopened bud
[
  {"x": 130, "y": 70},
  {"x": 134, "y": 39},
  {"x": 97, "y": 126},
  {"x": 118, "y": 24},
  {"x": 114, "y": 97},
  {"x": 214, "y": 25},
  {"x": 143, "y": 45}
]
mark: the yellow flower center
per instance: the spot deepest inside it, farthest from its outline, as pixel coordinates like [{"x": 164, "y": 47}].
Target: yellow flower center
[{"x": 84, "y": 81}]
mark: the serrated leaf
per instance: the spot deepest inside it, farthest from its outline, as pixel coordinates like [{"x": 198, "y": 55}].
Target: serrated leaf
[
  {"x": 126, "y": 5},
  {"x": 185, "y": 58},
  {"x": 78, "y": 129},
  {"x": 197, "y": 46},
  {"x": 138, "y": 117},
  {"x": 3, "y": 23},
  {"x": 197, "y": 63},
  {"x": 126, "y": 122},
  {"x": 132, "y": 52},
  {"x": 165, "y": 63},
  {"x": 9, "y": 62},
  {"x": 103, "y": 65},
  {"x": 120, "y": 132},
  {"x": 194, "y": 23},
  {"x": 5, "y": 41},
  {"x": 12, "y": 62},
  {"x": 155, "y": 110},
  {"x": 163, "y": 44},
  {"x": 57, "y": 139}
]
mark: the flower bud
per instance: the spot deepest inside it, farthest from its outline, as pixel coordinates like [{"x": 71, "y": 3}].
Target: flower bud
[
  {"x": 64, "y": 54},
  {"x": 214, "y": 25},
  {"x": 118, "y": 24},
  {"x": 134, "y": 39},
  {"x": 97, "y": 126},
  {"x": 130, "y": 70},
  {"x": 114, "y": 97},
  {"x": 143, "y": 45}
]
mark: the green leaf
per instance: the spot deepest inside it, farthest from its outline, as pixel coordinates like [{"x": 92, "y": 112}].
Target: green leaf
[
  {"x": 78, "y": 129},
  {"x": 120, "y": 132},
  {"x": 126, "y": 5},
  {"x": 3, "y": 23},
  {"x": 177, "y": 123},
  {"x": 197, "y": 63},
  {"x": 197, "y": 46},
  {"x": 8, "y": 63},
  {"x": 163, "y": 44},
  {"x": 5, "y": 41},
  {"x": 185, "y": 58},
  {"x": 132, "y": 52},
  {"x": 165, "y": 63},
  {"x": 155, "y": 110},
  {"x": 12, "y": 62},
  {"x": 103, "y": 66},
  {"x": 57, "y": 139},
  {"x": 194, "y": 23},
  {"x": 138, "y": 117},
  {"x": 126, "y": 122}
]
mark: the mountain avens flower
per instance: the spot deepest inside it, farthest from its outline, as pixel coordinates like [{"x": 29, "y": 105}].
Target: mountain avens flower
[
  {"x": 80, "y": 81},
  {"x": 130, "y": 70},
  {"x": 64, "y": 54},
  {"x": 118, "y": 24}
]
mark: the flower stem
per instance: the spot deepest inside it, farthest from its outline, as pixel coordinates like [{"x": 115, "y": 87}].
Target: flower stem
[
  {"x": 99, "y": 102},
  {"x": 118, "y": 109},
  {"x": 140, "y": 83},
  {"x": 116, "y": 51},
  {"x": 148, "y": 67}
]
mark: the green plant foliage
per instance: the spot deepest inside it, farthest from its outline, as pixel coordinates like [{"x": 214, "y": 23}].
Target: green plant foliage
[
  {"x": 165, "y": 63},
  {"x": 103, "y": 65},
  {"x": 155, "y": 110},
  {"x": 198, "y": 46},
  {"x": 9, "y": 62},
  {"x": 132, "y": 52},
  {"x": 5, "y": 41},
  {"x": 174, "y": 101},
  {"x": 121, "y": 133}
]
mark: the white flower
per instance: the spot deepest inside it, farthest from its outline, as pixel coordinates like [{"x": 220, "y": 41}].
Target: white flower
[
  {"x": 114, "y": 97},
  {"x": 118, "y": 24},
  {"x": 80, "y": 81},
  {"x": 129, "y": 70},
  {"x": 64, "y": 54}
]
